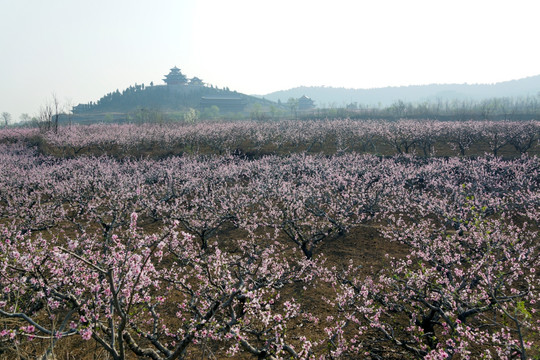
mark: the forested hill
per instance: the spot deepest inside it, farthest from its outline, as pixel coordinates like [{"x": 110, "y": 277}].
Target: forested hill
[
  {"x": 164, "y": 98},
  {"x": 330, "y": 96}
]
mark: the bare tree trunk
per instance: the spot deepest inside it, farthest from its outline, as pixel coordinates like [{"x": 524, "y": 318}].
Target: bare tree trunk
[{"x": 57, "y": 110}]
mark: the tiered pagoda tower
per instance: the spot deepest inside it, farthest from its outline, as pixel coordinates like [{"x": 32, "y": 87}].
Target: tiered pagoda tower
[{"x": 175, "y": 77}]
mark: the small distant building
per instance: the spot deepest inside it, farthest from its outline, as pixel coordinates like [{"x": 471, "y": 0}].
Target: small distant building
[
  {"x": 175, "y": 77},
  {"x": 305, "y": 103},
  {"x": 196, "y": 82},
  {"x": 224, "y": 103}
]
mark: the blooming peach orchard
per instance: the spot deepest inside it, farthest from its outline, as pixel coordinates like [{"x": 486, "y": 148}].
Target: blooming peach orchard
[
  {"x": 423, "y": 137},
  {"x": 221, "y": 255}
]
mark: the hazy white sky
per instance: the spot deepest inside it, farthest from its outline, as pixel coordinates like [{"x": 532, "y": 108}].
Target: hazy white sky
[{"x": 81, "y": 50}]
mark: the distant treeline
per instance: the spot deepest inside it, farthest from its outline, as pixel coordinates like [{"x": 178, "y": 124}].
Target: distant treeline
[
  {"x": 140, "y": 104},
  {"x": 505, "y": 108}
]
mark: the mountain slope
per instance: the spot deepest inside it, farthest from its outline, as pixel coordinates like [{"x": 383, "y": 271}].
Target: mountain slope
[{"x": 330, "y": 96}]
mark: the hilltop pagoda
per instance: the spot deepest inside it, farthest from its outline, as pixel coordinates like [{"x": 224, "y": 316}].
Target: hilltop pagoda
[{"x": 175, "y": 77}]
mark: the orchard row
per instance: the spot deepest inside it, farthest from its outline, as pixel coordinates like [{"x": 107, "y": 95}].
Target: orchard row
[
  {"x": 426, "y": 138},
  {"x": 134, "y": 256},
  {"x": 307, "y": 196}
]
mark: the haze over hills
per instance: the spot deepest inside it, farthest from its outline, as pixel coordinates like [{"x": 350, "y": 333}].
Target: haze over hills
[
  {"x": 338, "y": 97},
  {"x": 179, "y": 94}
]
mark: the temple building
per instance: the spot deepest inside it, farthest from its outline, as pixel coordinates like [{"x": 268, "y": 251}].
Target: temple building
[
  {"x": 305, "y": 103},
  {"x": 175, "y": 77},
  {"x": 196, "y": 82}
]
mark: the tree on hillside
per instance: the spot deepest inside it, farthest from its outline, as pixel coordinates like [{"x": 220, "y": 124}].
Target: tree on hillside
[
  {"x": 25, "y": 118},
  {"x": 56, "y": 109},
  {"x": 6, "y": 117},
  {"x": 292, "y": 103}
]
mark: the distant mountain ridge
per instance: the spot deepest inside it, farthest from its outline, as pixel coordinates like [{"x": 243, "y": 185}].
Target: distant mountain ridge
[{"x": 338, "y": 97}]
